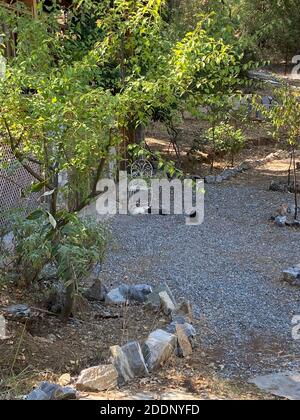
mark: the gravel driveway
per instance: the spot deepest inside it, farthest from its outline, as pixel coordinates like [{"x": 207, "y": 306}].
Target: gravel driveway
[{"x": 229, "y": 268}]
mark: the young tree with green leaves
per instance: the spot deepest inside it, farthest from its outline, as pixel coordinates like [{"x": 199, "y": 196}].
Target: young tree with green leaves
[
  {"x": 68, "y": 97},
  {"x": 284, "y": 116}
]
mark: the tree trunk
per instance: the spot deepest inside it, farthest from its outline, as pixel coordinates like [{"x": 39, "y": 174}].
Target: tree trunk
[
  {"x": 139, "y": 134},
  {"x": 69, "y": 302},
  {"x": 295, "y": 184},
  {"x": 286, "y": 61},
  {"x": 53, "y": 203},
  {"x": 135, "y": 135},
  {"x": 214, "y": 152}
]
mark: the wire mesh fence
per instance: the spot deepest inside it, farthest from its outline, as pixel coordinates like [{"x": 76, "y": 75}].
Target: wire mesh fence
[{"x": 14, "y": 183}]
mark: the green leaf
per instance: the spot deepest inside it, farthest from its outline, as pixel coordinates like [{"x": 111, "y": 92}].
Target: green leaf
[
  {"x": 37, "y": 186},
  {"x": 36, "y": 215}
]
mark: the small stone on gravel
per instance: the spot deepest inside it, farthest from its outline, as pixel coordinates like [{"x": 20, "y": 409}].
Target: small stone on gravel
[
  {"x": 292, "y": 275},
  {"x": 281, "y": 221}
]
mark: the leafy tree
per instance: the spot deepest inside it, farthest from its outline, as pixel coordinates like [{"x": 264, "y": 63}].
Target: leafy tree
[
  {"x": 71, "y": 94},
  {"x": 227, "y": 116},
  {"x": 270, "y": 26},
  {"x": 284, "y": 116},
  {"x": 54, "y": 120},
  {"x": 261, "y": 27}
]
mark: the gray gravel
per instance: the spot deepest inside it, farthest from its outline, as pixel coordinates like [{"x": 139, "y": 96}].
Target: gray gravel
[{"x": 229, "y": 268}]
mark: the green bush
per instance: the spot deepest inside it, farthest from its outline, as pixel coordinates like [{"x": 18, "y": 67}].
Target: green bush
[
  {"x": 226, "y": 139},
  {"x": 73, "y": 244}
]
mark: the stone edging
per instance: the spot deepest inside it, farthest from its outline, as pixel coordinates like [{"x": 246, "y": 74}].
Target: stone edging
[
  {"x": 227, "y": 174},
  {"x": 132, "y": 360}
]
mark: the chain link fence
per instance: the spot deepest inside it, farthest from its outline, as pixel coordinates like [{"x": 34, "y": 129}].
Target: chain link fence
[{"x": 14, "y": 183}]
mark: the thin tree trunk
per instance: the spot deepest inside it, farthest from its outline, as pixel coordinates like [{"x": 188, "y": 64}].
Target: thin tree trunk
[
  {"x": 69, "y": 302},
  {"x": 286, "y": 61},
  {"x": 290, "y": 170},
  {"x": 295, "y": 184},
  {"x": 214, "y": 153}
]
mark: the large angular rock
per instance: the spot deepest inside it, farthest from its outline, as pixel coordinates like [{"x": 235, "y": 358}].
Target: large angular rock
[
  {"x": 140, "y": 292},
  {"x": 98, "y": 378},
  {"x": 18, "y": 311},
  {"x": 57, "y": 297},
  {"x": 80, "y": 306},
  {"x": 270, "y": 157},
  {"x": 56, "y": 392},
  {"x": 158, "y": 348},
  {"x": 183, "y": 310},
  {"x": 227, "y": 174},
  {"x": 96, "y": 292},
  {"x": 213, "y": 179},
  {"x": 286, "y": 384},
  {"x": 166, "y": 302},
  {"x": 154, "y": 300},
  {"x": 37, "y": 395},
  {"x": 292, "y": 275},
  {"x": 49, "y": 391},
  {"x": 65, "y": 379},
  {"x": 68, "y": 393},
  {"x": 219, "y": 179},
  {"x": 124, "y": 294},
  {"x": 129, "y": 361},
  {"x": 115, "y": 297},
  {"x": 188, "y": 329},
  {"x": 184, "y": 345}
]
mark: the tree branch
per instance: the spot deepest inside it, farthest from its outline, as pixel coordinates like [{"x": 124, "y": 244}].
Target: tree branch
[
  {"x": 101, "y": 167},
  {"x": 20, "y": 158}
]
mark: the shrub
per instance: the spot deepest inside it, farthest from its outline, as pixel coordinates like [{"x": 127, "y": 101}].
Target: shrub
[
  {"x": 225, "y": 139},
  {"x": 73, "y": 244}
]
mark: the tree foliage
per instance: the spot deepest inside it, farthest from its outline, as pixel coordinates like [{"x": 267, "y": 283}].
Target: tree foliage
[{"x": 79, "y": 87}]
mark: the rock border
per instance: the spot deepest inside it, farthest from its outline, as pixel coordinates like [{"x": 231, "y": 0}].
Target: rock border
[
  {"x": 133, "y": 360},
  {"x": 229, "y": 173}
]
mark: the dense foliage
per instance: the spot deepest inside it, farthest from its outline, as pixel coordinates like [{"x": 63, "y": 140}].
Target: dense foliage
[
  {"x": 80, "y": 85},
  {"x": 269, "y": 29}
]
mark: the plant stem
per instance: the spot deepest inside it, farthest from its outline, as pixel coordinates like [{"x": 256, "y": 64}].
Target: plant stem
[{"x": 295, "y": 184}]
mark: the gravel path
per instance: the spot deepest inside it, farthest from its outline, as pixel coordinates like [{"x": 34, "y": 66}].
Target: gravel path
[{"x": 229, "y": 268}]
